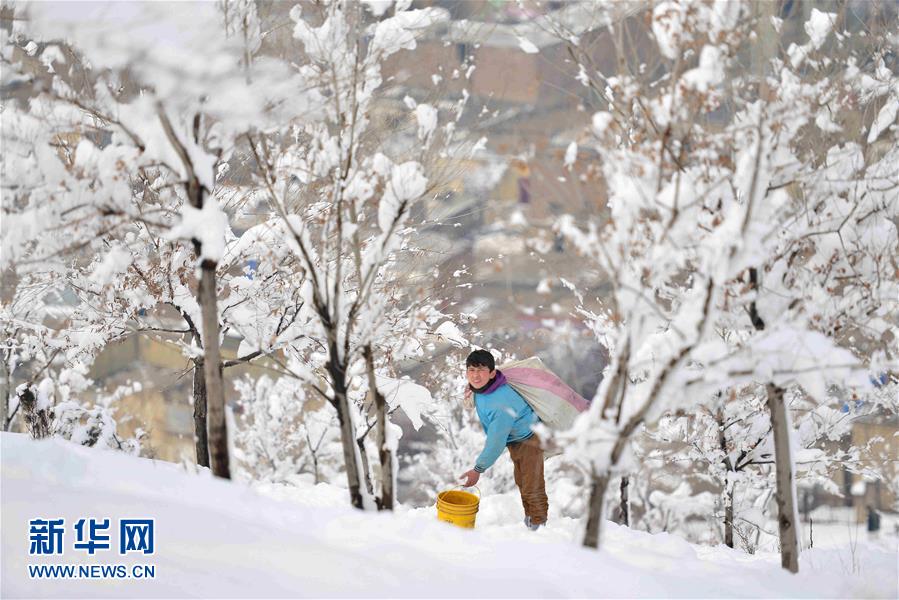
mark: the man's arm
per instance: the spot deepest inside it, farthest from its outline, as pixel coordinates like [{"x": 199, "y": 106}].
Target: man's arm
[{"x": 497, "y": 435}]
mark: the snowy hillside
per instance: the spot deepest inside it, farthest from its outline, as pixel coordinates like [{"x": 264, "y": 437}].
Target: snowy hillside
[{"x": 216, "y": 539}]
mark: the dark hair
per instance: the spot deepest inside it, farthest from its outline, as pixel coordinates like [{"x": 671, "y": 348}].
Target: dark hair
[{"x": 481, "y": 358}]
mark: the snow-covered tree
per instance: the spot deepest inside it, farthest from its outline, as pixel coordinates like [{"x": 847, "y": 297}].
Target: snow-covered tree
[
  {"x": 342, "y": 190},
  {"x": 282, "y": 433},
  {"x": 725, "y": 443},
  {"x": 54, "y": 407},
  {"x": 121, "y": 143},
  {"x": 124, "y": 150},
  {"x": 746, "y": 242}
]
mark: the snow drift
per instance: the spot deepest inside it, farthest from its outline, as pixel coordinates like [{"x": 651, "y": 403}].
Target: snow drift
[{"x": 221, "y": 539}]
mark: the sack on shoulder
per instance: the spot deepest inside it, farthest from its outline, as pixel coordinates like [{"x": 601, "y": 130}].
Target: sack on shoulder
[{"x": 556, "y": 404}]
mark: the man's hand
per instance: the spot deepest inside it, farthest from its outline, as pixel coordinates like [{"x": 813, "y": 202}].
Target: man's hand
[{"x": 469, "y": 478}]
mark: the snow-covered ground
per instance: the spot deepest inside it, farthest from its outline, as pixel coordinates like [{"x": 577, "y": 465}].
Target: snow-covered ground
[{"x": 219, "y": 539}]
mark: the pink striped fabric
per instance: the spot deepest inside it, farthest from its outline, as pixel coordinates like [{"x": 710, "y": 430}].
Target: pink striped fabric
[{"x": 546, "y": 380}]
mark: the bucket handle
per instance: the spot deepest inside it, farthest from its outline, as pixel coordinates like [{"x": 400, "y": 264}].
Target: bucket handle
[{"x": 462, "y": 487}]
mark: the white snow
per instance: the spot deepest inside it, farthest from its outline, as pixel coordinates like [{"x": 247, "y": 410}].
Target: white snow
[
  {"x": 449, "y": 332},
  {"x": 478, "y": 147},
  {"x": 426, "y": 115},
  {"x": 207, "y": 224},
  {"x": 378, "y": 7},
  {"x": 51, "y": 54},
  {"x": 570, "y": 155},
  {"x": 517, "y": 219},
  {"x": 221, "y": 539},
  {"x": 667, "y": 27},
  {"x": 114, "y": 263},
  {"x": 797, "y": 54},
  {"x": 886, "y": 116},
  {"x": 601, "y": 122},
  {"x": 527, "y": 46},
  {"x": 410, "y": 396},
  {"x": 407, "y": 183},
  {"x": 582, "y": 76},
  {"x": 399, "y": 32},
  {"x": 818, "y": 26},
  {"x": 710, "y": 71},
  {"x": 825, "y": 122}
]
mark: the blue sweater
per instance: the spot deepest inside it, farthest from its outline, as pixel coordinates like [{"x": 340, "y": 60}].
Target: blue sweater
[{"x": 506, "y": 418}]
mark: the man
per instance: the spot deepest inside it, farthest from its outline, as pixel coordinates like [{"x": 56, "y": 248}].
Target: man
[{"x": 507, "y": 421}]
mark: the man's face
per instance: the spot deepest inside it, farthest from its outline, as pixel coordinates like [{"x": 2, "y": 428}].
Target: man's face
[{"x": 479, "y": 376}]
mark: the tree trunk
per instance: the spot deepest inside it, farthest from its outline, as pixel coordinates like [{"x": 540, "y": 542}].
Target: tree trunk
[
  {"x": 200, "y": 436},
  {"x": 385, "y": 456},
  {"x": 728, "y": 486},
  {"x": 364, "y": 466},
  {"x": 786, "y": 488},
  {"x": 623, "y": 503},
  {"x": 598, "y": 486},
  {"x": 347, "y": 431},
  {"x": 811, "y": 533},
  {"x": 37, "y": 421},
  {"x": 315, "y": 468},
  {"x": 212, "y": 373},
  {"x": 348, "y": 439},
  {"x": 7, "y": 388},
  {"x": 728, "y": 515},
  {"x": 207, "y": 298},
  {"x": 9, "y": 281}
]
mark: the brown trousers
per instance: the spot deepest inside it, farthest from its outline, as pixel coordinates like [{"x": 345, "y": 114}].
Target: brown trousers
[{"x": 527, "y": 456}]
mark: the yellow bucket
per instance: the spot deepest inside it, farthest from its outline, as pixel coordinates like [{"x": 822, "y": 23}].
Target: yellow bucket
[{"x": 458, "y": 507}]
